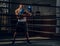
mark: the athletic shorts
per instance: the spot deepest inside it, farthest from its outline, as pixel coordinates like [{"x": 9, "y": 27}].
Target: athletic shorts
[{"x": 21, "y": 27}]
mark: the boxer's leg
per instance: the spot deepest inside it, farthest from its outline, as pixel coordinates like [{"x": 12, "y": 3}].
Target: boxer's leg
[
  {"x": 26, "y": 33},
  {"x": 14, "y": 36}
]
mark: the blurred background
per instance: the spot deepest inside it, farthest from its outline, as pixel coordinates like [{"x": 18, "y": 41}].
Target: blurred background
[{"x": 43, "y": 24}]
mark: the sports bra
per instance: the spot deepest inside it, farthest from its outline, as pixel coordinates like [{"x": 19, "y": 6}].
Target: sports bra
[{"x": 21, "y": 12}]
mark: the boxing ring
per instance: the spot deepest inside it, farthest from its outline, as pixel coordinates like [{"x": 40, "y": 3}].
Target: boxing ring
[{"x": 40, "y": 25}]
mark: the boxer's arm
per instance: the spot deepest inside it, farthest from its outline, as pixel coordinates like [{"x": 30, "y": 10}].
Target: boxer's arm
[
  {"x": 17, "y": 12},
  {"x": 28, "y": 12}
]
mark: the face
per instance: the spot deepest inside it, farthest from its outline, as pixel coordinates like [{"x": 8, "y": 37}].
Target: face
[{"x": 21, "y": 5}]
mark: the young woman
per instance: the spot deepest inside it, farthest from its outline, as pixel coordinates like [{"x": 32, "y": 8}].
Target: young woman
[{"x": 21, "y": 26}]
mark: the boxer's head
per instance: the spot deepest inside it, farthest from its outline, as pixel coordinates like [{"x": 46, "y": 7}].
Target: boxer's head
[{"x": 21, "y": 5}]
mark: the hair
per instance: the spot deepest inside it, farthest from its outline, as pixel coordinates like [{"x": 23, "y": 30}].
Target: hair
[{"x": 21, "y": 4}]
